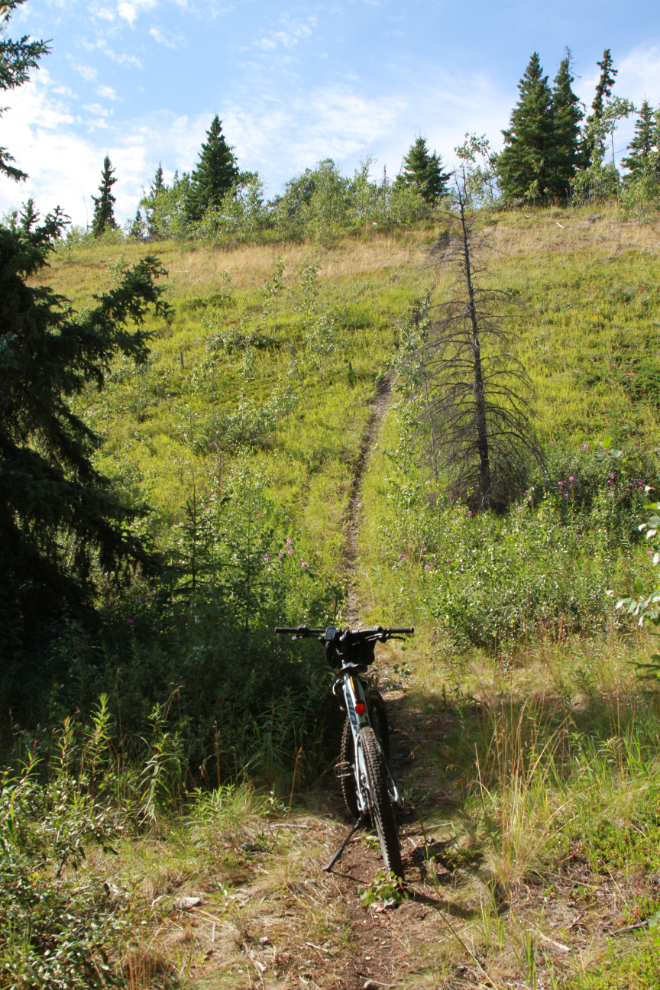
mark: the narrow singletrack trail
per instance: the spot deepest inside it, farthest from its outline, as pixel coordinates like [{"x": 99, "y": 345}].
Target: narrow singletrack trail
[
  {"x": 353, "y": 610},
  {"x": 384, "y": 940}
]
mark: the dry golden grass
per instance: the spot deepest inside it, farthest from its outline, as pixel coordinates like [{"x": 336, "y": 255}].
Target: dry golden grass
[{"x": 197, "y": 270}]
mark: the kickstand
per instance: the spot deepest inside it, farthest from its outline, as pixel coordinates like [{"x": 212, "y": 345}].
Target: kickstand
[{"x": 337, "y": 855}]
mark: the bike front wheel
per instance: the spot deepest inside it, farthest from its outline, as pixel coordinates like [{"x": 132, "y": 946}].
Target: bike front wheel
[{"x": 382, "y": 813}]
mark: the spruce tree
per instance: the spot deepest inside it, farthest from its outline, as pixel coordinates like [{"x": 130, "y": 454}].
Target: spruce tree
[
  {"x": 137, "y": 227},
  {"x": 643, "y": 147},
  {"x": 157, "y": 183},
  {"x": 148, "y": 201},
  {"x": 525, "y": 165},
  {"x": 594, "y": 137},
  {"x": 566, "y": 154},
  {"x": 62, "y": 526},
  {"x": 214, "y": 176},
  {"x": 423, "y": 171},
  {"x": 16, "y": 60},
  {"x": 104, "y": 216}
]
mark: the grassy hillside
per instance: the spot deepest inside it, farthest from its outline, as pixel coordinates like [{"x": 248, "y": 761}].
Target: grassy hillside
[{"x": 521, "y": 732}]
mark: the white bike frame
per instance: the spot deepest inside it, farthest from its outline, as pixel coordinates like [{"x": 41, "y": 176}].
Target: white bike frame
[{"x": 354, "y": 695}]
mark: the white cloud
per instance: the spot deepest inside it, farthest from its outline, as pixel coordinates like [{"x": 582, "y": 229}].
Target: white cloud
[
  {"x": 128, "y": 10},
  {"x": 104, "y": 13},
  {"x": 121, "y": 58},
  {"x": 639, "y": 75},
  {"x": 88, "y": 73},
  {"x": 167, "y": 38},
  {"x": 107, "y": 92},
  {"x": 287, "y": 38}
]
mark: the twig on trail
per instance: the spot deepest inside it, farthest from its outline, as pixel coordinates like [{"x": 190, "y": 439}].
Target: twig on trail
[
  {"x": 628, "y": 928},
  {"x": 551, "y": 941},
  {"x": 318, "y": 948}
]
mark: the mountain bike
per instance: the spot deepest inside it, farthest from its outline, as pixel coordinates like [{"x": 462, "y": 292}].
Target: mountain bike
[{"x": 367, "y": 783}]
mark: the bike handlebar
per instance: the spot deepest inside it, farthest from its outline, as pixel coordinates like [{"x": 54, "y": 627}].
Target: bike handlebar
[{"x": 376, "y": 631}]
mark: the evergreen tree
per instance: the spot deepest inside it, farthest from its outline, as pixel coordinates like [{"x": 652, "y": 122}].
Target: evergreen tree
[
  {"x": 157, "y": 183},
  {"x": 423, "y": 171},
  {"x": 16, "y": 60},
  {"x": 28, "y": 216},
  {"x": 525, "y": 165},
  {"x": 214, "y": 176},
  {"x": 148, "y": 201},
  {"x": 642, "y": 150},
  {"x": 104, "y": 216},
  {"x": 566, "y": 115},
  {"x": 137, "y": 227},
  {"x": 61, "y": 525},
  {"x": 594, "y": 137}
]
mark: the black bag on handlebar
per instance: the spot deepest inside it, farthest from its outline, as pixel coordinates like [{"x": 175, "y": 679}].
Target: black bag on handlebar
[{"x": 359, "y": 651}]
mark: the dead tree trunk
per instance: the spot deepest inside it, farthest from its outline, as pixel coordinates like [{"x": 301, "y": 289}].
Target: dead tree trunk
[{"x": 478, "y": 376}]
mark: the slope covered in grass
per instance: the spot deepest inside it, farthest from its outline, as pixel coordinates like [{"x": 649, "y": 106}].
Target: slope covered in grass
[{"x": 521, "y": 732}]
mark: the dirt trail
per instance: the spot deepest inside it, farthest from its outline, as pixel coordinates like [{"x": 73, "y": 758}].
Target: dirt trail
[
  {"x": 353, "y": 611},
  {"x": 382, "y": 939}
]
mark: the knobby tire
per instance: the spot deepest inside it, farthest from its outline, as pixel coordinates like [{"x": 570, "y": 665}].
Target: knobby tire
[
  {"x": 382, "y": 813},
  {"x": 378, "y": 719}
]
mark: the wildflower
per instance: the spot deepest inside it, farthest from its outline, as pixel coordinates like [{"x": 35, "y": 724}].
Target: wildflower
[
  {"x": 552, "y": 443},
  {"x": 129, "y": 622},
  {"x": 570, "y": 478},
  {"x": 289, "y": 541},
  {"x": 520, "y": 508},
  {"x": 585, "y": 446},
  {"x": 560, "y": 483},
  {"x": 303, "y": 565},
  {"x": 650, "y": 553},
  {"x": 266, "y": 559},
  {"x": 280, "y": 554},
  {"x": 290, "y": 551},
  {"x": 565, "y": 494},
  {"x": 427, "y": 567},
  {"x": 402, "y": 556},
  {"x": 470, "y": 513}
]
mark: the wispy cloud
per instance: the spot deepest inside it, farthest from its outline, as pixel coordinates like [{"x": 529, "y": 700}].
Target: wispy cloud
[
  {"x": 88, "y": 73},
  {"x": 639, "y": 75},
  {"x": 103, "y": 13},
  {"x": 121, "y": 58},
  {"x": 107, "y": 92},
  {"x": 167, "y": 38},
  {"x": 289, "y": 36}
]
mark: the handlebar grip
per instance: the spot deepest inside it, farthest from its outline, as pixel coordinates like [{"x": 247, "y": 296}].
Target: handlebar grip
[
  {"x": 299, "y": 630},
  {"x": 404, "y": 629}
]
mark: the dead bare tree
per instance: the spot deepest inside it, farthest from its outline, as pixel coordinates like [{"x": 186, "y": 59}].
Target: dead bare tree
[{"x": 471, "y": 392}]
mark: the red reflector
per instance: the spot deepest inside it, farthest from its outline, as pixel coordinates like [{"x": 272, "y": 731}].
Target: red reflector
[{"x": 360, "y": 708}]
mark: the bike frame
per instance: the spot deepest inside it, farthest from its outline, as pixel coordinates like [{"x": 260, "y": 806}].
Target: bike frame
[{"x": 354, "y": 695}]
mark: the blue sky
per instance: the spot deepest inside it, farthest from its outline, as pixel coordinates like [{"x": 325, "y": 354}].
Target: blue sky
[{"x": 293, "y": 83}]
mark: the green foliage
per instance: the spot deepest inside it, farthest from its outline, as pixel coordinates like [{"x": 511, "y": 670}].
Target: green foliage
[
  {"x": 214, "y": 175},
  {"x": 62, "y": 526},
  {"x": 423, "y": 171},
  {"x": 594, "y": 137},
  {"x": 104, "y": 216},
  {"x": 643, "y": 152},
  {"x": 386, "y": 888},
  {"x": 524, "y": 165},
  {"x": 16, "y": 60},
  {"x": 481, "y": 181},
  {"x": 542, "y": 569}
]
